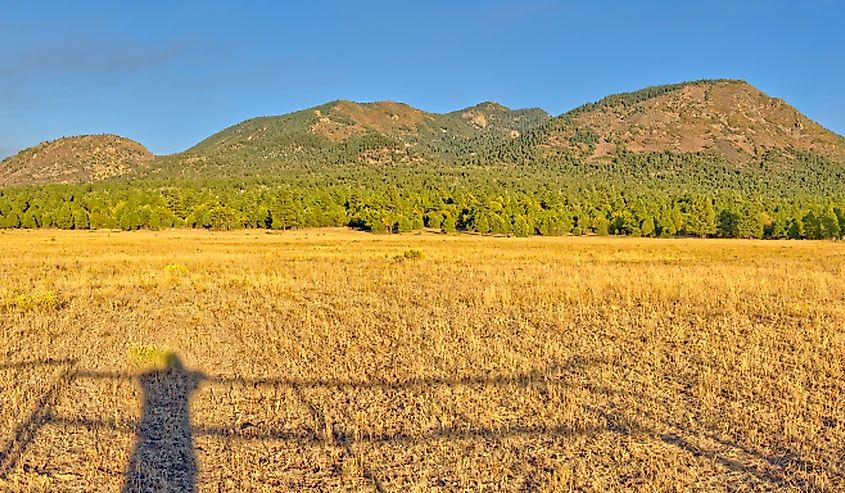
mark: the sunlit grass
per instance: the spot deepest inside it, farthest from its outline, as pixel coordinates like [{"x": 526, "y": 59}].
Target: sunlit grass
[{"x": 338, "y": 360}]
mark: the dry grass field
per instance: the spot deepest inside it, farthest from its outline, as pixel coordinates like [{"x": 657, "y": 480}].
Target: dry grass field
[{"x": 329, "y": 360}]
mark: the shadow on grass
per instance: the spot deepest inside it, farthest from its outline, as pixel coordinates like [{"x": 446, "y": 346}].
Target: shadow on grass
[
  {"x": 163, "y": 458},
  {"x": 41, "y": 412}
]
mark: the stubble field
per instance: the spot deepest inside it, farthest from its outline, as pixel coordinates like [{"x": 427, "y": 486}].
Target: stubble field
[{"x": 330, "y": 360}]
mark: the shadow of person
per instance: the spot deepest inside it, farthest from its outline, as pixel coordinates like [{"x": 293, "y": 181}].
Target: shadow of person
[{"x": 163, "y": 458}]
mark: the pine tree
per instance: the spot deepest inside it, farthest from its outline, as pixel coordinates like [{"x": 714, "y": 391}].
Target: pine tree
[
  {"x": 647, "y": 227},
  {"x": 728, "y": 224},
  {"x": 601, "y": 225},
  {"x": 795, "y": 230},
  {"x": 812, "y": 227},
  {"x": 665, "y": 225},
  {"x": 829, "y": 225},
  {"x": 80, "y": 218},
  {"x": 449, "y": 224}
]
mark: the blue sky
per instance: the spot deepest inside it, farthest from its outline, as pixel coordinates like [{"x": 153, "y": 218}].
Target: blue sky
[{"x": 171, "y": 73}]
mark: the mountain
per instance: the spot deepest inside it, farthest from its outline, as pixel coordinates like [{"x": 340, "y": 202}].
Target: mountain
[
  {"x": 80, "y": 159},
  {"x": 346, "y": 132},
  {"x": 701, "y": 131},
  {"x": 703, "y": 159},
  {"x": 729, "y": 119}
]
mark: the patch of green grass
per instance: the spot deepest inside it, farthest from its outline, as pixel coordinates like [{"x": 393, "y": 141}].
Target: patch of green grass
[
  {"x": 40, "y": 300},
  {"x": 413, "y": 254},
  {"x": 176, "y": 269},
  {"x": 149, "y": 356}
]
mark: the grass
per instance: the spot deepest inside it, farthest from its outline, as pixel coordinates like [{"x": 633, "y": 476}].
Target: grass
[{"x": 317, "y": 361}]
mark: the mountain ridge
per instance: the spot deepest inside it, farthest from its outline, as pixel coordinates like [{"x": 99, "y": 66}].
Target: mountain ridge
[
  {"x": 726, "y": 116},
  {"x": 726, "y": 119}
]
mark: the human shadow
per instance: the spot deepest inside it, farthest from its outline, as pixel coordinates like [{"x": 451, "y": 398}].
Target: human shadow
[{"x": 163, "y": 458}]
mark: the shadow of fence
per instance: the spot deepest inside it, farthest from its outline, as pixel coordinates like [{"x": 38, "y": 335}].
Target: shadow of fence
[{"x": 164, "y": 450}]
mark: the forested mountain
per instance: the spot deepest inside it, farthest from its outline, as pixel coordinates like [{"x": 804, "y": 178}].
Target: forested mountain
[
  {"x": 726, "y": 119},
  {"x": 345, "y": 132},
  {"x": 704, "y": 158},
  {"x": 87, "y": 158},
  {"x": 702, "y": 127}
]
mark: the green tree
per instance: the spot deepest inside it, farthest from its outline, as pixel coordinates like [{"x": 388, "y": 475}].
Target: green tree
[
  {"x": 728, "y": 224},
  {"x": 129, "y": 219},
  {"x": 795, "y": 229},
  {"x": 80, "y": 218},
  {"x": 221, "y": 218},
  {"x": 665, "y": 225},
  {"x": 521, "y": 226},
  {"x": 434, "y": 219},
  {"x": 29, "y": 220},
  {"x": 829, "y": 225},
  {"x": 749, "y": 226},
  {"x": 63, "y": 217},
  {"x": 647, "y": 227},
  {"x": 449, "y": 224},
  {"x": 840, "y": 216},
  {"x": 812, "y": 226},
  {"x": 403, "y": 225},
  {"x": 601, "y": 225},
  {"x": 701, "y": 221},
  {"x": 10, "y": 220}
]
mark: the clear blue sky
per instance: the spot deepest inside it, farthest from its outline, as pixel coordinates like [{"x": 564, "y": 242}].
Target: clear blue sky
[{"x": 171, "y": 73}]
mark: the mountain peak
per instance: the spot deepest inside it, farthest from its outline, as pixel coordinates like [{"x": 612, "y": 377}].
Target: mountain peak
[
  {"x": 726, "y": 117},
  {"x": 77, "y": 159},
  {"x": 723, "y": 119},
  {"x": 379, "y": 115}
]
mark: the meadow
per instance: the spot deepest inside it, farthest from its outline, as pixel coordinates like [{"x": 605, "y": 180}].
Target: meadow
[{"x": 333, "y": 360}]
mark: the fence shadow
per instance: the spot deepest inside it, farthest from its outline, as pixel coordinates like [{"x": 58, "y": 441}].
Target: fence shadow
[
  {"x": 41, "y": 412},
  {"x": 164, "y": 456}
]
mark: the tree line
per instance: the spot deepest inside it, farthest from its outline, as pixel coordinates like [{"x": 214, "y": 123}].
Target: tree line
[{"x": 449, "y": 201}]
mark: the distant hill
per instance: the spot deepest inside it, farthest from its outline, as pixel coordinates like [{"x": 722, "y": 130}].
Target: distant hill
[
  {"x": 726, "y": 118},
  {"x": 346, "y": 132},
  {"x": 702, "y": 159},
  {"x": 697, "y": 132},
  {"x": 81, "y": 159}
]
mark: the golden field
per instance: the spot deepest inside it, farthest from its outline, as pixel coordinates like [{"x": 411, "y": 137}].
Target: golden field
[{"x": 330, "y": 360}]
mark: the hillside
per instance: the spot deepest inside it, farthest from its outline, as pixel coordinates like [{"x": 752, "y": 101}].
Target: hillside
[
  {"x": 81, "y": 159},
  {"x": 698, "y": 133},
  {"x": 703, "y": 159},
  {"x": 346, "y": 132},
  {"x": 728, "y": 119}
]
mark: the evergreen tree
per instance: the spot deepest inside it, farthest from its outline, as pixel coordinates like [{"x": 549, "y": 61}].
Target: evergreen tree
[
  {"x": 647, "y": 228},
  {"x": 80, "y": 218},
  {"x": 449, "y": 224},
  {"x": 728, "y": 224},
  {"x": 665, "y": 225},
  {"x": 812, "y": 226},
  {"x": 601, "y": 225},
  {"x": 795, "y": 230},
  {"x": 829, "y": 225}
]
